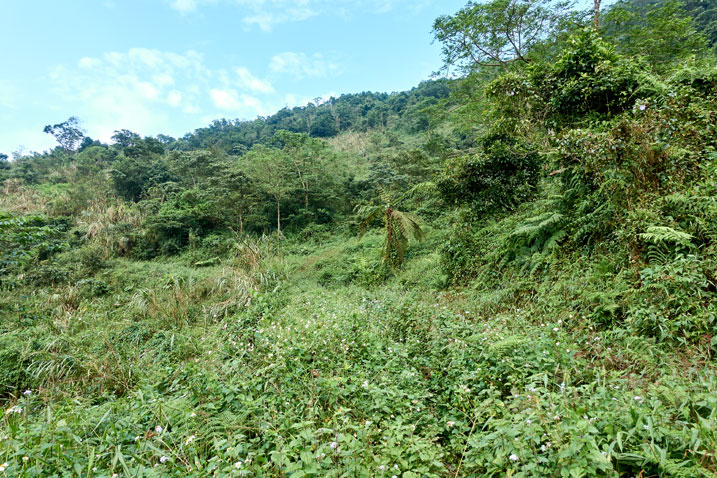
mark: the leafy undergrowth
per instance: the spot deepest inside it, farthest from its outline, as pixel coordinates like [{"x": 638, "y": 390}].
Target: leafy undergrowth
[{"x": 233, "y": 369}]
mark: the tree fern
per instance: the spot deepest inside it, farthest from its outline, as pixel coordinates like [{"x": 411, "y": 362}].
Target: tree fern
[{"x": 399, "y": 226}]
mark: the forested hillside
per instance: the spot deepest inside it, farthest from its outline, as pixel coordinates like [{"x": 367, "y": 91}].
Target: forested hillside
[{"x": 509, "y": 270}]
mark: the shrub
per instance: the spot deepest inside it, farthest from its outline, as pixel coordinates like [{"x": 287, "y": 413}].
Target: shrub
[{"x": 503, "y": 175}]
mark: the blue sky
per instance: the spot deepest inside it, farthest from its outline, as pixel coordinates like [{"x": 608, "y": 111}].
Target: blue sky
[{"x": 170, "y": 66}]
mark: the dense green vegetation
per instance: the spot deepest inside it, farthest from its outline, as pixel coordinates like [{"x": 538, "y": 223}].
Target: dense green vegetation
[{"x": 508, "y": 273}]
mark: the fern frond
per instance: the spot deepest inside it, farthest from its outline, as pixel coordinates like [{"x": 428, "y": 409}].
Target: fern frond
[{"x": 664, "y": 234}]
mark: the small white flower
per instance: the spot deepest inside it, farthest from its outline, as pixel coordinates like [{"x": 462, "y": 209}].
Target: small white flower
[
  {"x": 643, "y": 107},
  {"x": 646, "y": 427},
  {"x": 528, "y": 421},
  {"x": 365, "y": 384},
  {"x": 237, "y": 465},
  {"x": 192, "y": 414},
  {"x": 27, "y": 392},
  {"x": 158, "y": 429},
  {"x": 513, "y": 457},
  {"x": 638, "y": 398},
  {"x": 163, "y": 459},
  {"x": 137, "y": 438},
  {"x": 333, "y": 444},
  {"x": 25, "y": 458},
  {"x": 189, "y": 440},
  {"x": 450, "y": 423},
  {"x": 382, "y": 467},
  {"x": 555, "y": 329}
]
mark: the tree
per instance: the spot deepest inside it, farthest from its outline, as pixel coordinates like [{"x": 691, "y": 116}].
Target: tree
[
  {"x": 68, "y": 134},
  {"x": 307, "y": 158},
  {"x": 133, "y": 145},
  {"x": 399, "y": 227},
  {"x": 496, "y": 33},
  {"x": 271, "y": 169},
  {"x": 4, "y": 163},
  {"x": 663, "y": 33}
]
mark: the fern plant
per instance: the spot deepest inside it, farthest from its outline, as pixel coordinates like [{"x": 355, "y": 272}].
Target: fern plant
[
  {"x": 399, "y": 226},
  {"x": 664, "y": 242},
  {"x": 536, "y": 235}
]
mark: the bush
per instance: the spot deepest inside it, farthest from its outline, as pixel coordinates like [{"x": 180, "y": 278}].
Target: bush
[{"x": 503, "y": 175}]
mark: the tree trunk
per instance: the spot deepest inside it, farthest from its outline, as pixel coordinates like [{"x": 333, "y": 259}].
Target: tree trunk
[
  {"x": 278, "y": 216},
  {"x": 596, "y": 18},
  {"x": 306, "y": 197}
]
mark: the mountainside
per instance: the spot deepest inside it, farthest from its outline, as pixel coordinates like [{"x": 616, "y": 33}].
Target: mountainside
[{"x": 508, "y": 273}]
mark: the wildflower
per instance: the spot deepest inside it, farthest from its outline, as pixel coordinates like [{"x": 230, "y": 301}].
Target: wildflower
[
  {"x": 513, "y": 457},
  {"x": 365, "y": 384},
  {"x": 333, "y": 444},
  {"x": 3, "y": 466},
  {"x": 189, "y": 440},
  {"x": 643, "y": 107},
  {"x": 646, "y": 427},
  {"x": 192, "y": 415},
  {"x": 13, "y": 410},
  {"x": 27, "y": 392},
  {"x": 450, "y": 423},
  {"x": 382, "y": 467},
  {"x": 158, "y": 429},
  {"x": 555, "y": 329},
  {"x": 638, "y": 398},
  {"x": 528, "y": 421},
  {"x": 237, "y": 465},
  {"x": 25, "y": 458},
  {"x": 137, "y": 438},
  {"x": 163, "y": 459}
]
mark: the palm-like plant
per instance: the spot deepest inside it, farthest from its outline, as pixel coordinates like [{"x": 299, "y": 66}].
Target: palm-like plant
[{"x": 399, "y": 227}]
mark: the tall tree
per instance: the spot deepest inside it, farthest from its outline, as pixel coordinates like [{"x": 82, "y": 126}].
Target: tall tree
[
  {"x": 496, "y": 33},
  {"x": 662, "y": 32},
  {"x": 68, "y": 134},
  {"x": 271, "y": 169},
  {"x": 307, "y": 156}
]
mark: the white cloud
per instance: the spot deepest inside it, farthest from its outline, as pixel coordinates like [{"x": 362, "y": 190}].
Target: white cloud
[
  {"x": 239, "y": 104},
  {"x": 174, "y": 98},
  {"x": 252, "y": 83},
  {"x": 225, "y": 99},
  {"x": 184, "y": 6},
  {"x": 265, "y": 14},
  {"x": 89, "y": 62},
  {"x": 144, "y": 90},
  {"x": 266, "y": 20},
  {"x": 301, "y": 65}
]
